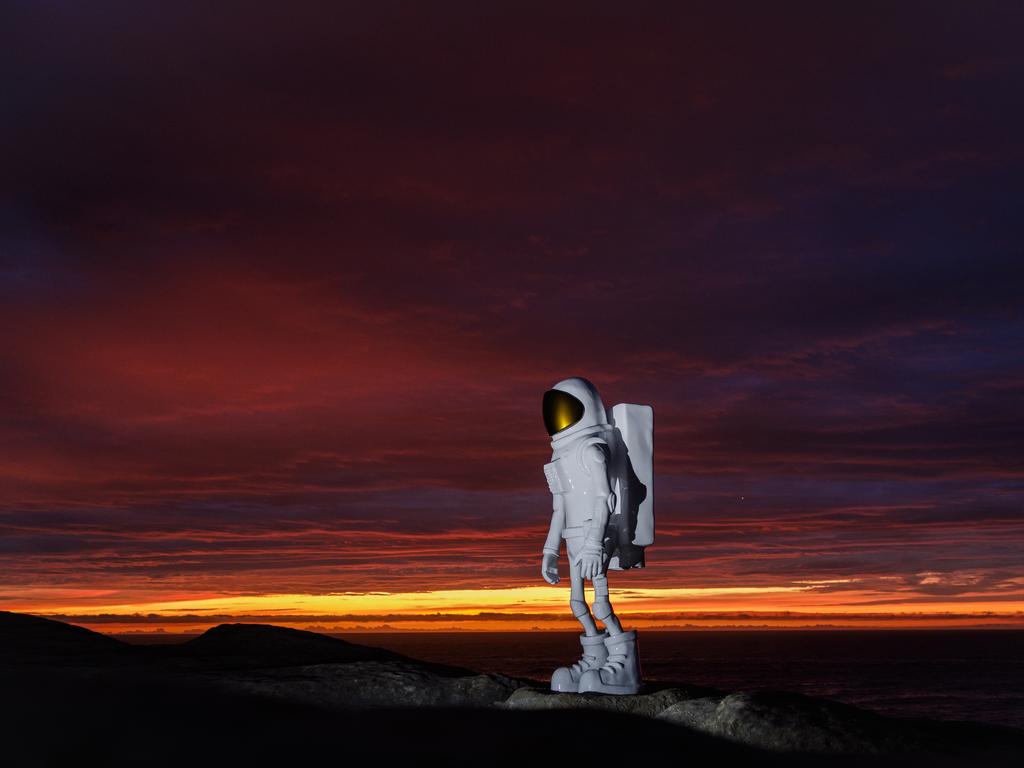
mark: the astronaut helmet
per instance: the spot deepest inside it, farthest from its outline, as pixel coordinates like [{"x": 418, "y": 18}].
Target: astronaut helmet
[{"x": 572, "y": 406}]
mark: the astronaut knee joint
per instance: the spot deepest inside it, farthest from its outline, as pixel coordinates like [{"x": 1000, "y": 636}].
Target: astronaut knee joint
[
  {"x": 579, "y": 607},
  {"x": 602, "y": 609}
]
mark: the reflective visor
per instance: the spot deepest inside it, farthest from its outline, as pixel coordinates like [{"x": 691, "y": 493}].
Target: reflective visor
[{"x": 561, "y": 410}]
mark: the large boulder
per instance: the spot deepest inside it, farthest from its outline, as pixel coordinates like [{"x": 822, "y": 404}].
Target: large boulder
[
  {"x": 793, "y": 723},
  {"x": 787, "y": 722}
]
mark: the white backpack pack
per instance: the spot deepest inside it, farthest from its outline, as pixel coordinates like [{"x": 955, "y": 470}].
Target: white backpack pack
[{"x": 631, "y": 523}]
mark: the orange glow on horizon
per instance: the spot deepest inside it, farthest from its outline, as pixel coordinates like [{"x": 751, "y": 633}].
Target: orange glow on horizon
[{"x": 801, "y": 605}]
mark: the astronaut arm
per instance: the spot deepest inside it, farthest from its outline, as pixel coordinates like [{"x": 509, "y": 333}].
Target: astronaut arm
[
  {"x": 592, "y": 560},
  {"x": 602, "y": 494},
  {"x": 549, "y": 560},
  {"x": 553, "y": 543}
]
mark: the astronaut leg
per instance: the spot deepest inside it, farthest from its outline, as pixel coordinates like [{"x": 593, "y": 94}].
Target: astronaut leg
[
  {"x": 620, "y": 673},
  {"x": 578, "y": 602},
  {"x": 603, "y": 607},
  {"x": 595, "y": 652}
]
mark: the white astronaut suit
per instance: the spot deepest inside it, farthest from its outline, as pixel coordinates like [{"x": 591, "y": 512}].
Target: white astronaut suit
[{"x": 600, "y": 480}]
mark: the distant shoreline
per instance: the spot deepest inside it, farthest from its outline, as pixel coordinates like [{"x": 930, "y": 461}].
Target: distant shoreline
[{"x": 174, "y": 637}]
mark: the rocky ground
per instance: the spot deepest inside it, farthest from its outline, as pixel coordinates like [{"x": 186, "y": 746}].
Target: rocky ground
[{"x": 255, "y": 694}]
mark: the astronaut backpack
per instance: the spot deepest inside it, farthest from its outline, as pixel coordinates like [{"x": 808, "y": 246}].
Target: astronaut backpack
[{"x": 631, "y": 522}]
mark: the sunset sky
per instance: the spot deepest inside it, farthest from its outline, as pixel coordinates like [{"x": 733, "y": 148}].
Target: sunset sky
[{"x": 282, "y": 285}]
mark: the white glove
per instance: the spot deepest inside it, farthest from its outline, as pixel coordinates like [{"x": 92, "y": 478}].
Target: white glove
[
  {"x": 549, "y": 568},
  {"x": 592, "y": 560}
]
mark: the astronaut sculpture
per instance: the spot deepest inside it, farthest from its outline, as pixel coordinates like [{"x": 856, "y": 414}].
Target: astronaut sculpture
[{"x": 601, "y": 481}]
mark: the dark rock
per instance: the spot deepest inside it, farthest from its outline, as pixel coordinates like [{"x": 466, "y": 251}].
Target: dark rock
[
  {"x": 32, "y": 639},
  {"x": 373, "y": 684},
  {"x": 793, "y": 723},
  {"x": 645, "y": 704},
  {"x": 311, "y": 669},
  {"x": 790, "y": 723},
  {"x": 268, "y": 645},
  {"x": 232, "y": 648}
]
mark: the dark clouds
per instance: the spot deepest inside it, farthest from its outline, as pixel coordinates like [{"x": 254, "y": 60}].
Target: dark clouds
[{"x": 266, "y": 266}]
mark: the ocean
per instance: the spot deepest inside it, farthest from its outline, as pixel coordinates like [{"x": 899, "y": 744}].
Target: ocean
[{"x": 940, "y": 674}]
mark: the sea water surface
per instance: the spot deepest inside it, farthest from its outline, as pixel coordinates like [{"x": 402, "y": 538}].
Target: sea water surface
[{"x": 941, "y": 674}]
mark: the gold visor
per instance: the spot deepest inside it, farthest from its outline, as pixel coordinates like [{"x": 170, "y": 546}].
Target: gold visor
[{"x": 561, "y": 410}]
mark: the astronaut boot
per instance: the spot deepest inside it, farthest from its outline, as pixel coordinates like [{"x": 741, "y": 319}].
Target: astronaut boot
[
  {"x": 620, "y": 673},
  {"x": 567, "y": 679}
]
